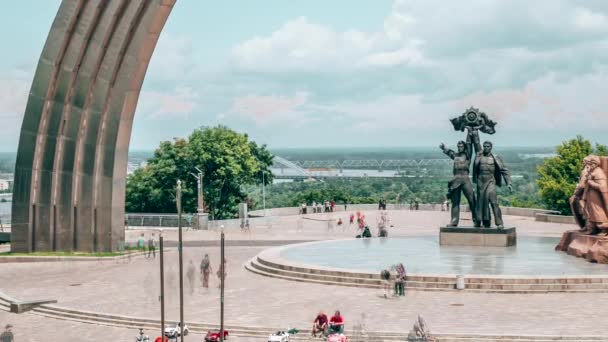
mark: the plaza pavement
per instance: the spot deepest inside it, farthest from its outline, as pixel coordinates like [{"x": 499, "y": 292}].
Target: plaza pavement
[{"x": 131, "y": 287}]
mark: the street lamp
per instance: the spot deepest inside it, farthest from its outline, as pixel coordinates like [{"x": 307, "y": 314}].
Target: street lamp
[
  {"x": 264, "y": 191},
  {"x": 181, "y": 259},
  {"x": 199, "y": 196}
]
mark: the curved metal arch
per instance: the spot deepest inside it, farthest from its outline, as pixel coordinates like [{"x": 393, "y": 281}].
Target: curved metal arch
[
  {"x": 285, "y": 162},
  {"x": 70, "y": 175}
]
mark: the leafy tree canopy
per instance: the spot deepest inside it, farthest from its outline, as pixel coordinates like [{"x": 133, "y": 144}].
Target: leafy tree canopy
[
  {"x": 558, "y": 176},
  {"x": 229, "y": 161}
]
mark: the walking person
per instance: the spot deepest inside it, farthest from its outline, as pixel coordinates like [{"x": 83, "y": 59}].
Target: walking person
[
  {"x": 141, "y": 243},
  {"x": 152, "y": 246},
  {"x": 190, "y": 275},
  {"x": 219, "y": 274},
  {"x": 385, "y": 275},
  {"x": 7, "y": 335},
  {"x": 400, "y": 280},
  {"x": 205, "y": 270}
]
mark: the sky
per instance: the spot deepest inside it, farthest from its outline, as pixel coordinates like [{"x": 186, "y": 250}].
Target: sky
[{"x": 351, "y": 73}]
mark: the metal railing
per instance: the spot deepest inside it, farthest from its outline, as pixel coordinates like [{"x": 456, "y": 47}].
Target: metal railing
[{"x": 134, "y": 220}]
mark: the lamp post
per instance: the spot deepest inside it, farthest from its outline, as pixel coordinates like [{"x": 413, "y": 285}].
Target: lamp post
[
  {"x": 200, "y": 200},
  {"x": 222, "y": 271},
  {"x": 264, "y": 191},
  {"x": 181, "y": 259},
  {"x": 162, "y": 289}
]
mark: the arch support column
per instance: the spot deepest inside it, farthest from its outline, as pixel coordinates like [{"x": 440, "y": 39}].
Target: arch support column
[{"x": 70, "y": 175}]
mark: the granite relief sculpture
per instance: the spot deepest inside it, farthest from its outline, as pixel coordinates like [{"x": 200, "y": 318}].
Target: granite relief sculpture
[{"x": 589, "y": 205}]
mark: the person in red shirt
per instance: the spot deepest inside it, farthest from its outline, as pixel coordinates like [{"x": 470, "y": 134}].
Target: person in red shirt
[
  {"x": 336, "y": 323},
  {"x": 320, "y": 324}
]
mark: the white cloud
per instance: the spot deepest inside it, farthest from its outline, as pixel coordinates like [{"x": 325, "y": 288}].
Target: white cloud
[
  {"x": 173, "y": 57},
  {"x": 266, "y": 110},
  {"x": 178, "y": 103},
  {"x": 304, "y": 46},
  {"x": 418, "y": 32},
  {"x": 587, "y": 20},
  {"x": 13, "y": 97}
]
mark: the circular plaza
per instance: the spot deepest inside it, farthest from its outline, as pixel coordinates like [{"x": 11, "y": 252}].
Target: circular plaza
[{"x": 121, "y": 295}]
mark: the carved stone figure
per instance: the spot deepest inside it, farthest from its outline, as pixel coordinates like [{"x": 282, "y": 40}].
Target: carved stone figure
[
  {"x": 576, "y": 204},
  {"x": 590, "y": 200},
  {"x": 488, "y": 172},
  {"x": 461, "y": 182},
  {"x": 420, "y": 332}
]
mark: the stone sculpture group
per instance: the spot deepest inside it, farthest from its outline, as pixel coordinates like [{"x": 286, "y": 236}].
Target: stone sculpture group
[
  {"x": 589, "y": 202},
  {"x": 589, "y": 205},
  {"x": 488, "y": 171}
]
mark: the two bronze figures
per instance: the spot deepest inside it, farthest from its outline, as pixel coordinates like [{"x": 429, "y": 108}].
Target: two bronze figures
[{"x": 489, "y": 171}]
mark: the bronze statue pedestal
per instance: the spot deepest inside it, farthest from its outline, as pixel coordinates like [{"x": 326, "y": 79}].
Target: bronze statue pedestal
[
  {"x": 481, "y": 237},
  {"x": 593, "y": 248}
]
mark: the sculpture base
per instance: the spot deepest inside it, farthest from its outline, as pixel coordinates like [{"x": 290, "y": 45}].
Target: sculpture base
[
  {"x": 202, "y": 221},
  {"x": 592, "y": 248},
  {"x": 482, "y": 237}
]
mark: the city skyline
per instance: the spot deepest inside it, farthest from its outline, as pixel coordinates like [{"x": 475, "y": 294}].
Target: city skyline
[{"x": 382, "y": 74}]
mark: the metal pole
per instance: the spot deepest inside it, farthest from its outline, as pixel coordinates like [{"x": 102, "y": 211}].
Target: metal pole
[
  {"x": 162, "y": 291},
  {"x": 201, "y": 203},
  {"x": 264, "y": 192},
  {"x": 181, "y": 260},
  {"x": 222, "y": 288}
]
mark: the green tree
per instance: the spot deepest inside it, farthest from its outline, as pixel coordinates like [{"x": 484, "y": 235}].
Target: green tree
[
  {"x": 229, "y": 162},
  {"x": 559, "y": 175}
]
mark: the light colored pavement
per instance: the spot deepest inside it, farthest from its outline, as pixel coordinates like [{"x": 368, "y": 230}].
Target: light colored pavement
[{"x": 131, "y": 287}]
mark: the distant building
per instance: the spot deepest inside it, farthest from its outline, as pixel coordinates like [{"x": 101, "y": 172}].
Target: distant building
[{"x": 5, "y": 184}]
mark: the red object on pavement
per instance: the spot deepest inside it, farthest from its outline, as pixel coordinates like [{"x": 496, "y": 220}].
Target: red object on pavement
[
  {"x": 160, "y": 339},
  {"x": 337, "y": 338},
  {"x": 214, "y": 335}
]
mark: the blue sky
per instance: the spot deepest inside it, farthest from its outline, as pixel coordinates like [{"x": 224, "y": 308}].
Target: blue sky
[{"x": 352, "y": 73}]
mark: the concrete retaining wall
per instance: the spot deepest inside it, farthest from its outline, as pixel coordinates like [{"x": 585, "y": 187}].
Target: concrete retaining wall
[
  {"x": 541, "y": 217},
  {"x": 288, "y": 211}
]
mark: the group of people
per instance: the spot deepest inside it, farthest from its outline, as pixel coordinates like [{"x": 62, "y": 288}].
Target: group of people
[
  {"x": 398, "y": 281},
  {"x": 323, "y": 327},
  {"x": 205, "y": 270},
  {"x": 151, "y": 245},
  {"x": 414, "y": 205},
  {"x": 321, "y": 207},
  {"x": 364, "y": 230},
  {"x": 382, "y": 204}
]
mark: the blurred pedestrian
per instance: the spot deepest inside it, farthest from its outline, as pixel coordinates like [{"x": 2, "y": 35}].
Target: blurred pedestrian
[
  {"x": 219, "y": 273},
  {"x": 190, "y": 275},
  {"x": 205, "y": 270},
  {"x": 7, "y": 335},
  {"x": 141, "y": 243},
  {"x": 152, "y": 246}
]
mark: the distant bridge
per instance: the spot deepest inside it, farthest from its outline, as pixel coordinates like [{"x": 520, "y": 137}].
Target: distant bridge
[
  {"x": 372, "y": 163},
  {"x": 284, "y": 168}
]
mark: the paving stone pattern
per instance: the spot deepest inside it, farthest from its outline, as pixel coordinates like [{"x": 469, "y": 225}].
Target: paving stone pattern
[{"x": 131, "y": 287}]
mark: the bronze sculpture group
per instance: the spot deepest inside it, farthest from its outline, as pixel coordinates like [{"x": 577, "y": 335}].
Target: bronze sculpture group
[
  {"x": 589, "y": 202},
  {"x": 489, "y": 171}
]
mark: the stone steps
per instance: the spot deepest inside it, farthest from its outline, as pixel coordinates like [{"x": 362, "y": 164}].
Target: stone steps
[
  {"x": 261, "y": 266},
  {"x": 151, "y": 325}
]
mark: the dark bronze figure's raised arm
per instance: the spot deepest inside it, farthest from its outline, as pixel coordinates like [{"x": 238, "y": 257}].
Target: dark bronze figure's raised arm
[{"x": 461, "y": 182}]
